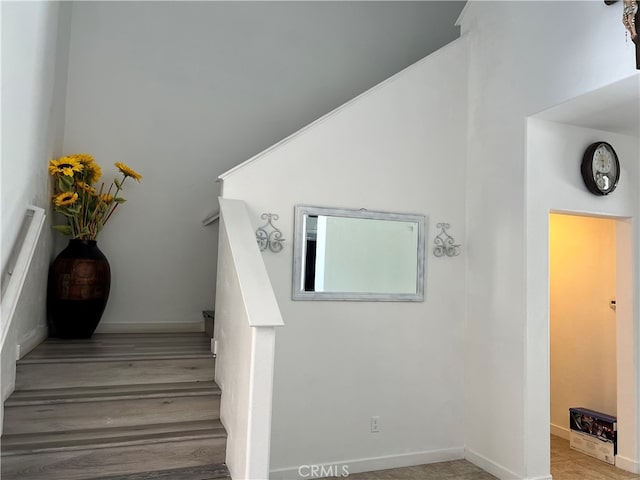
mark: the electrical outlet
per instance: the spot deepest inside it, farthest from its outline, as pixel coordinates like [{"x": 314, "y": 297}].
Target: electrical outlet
[{"x": 375, "y": 424}]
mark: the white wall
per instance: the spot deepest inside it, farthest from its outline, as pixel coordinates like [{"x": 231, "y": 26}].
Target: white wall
[
  {"x": 524, "y": 57},
  {"x": 182, "y": 91},
  {"x": 396, "y": 148},
  {"x": 553, "y": 147},
  {"x": 582, "y": 326},
  {"x": 34, "y": 64}
]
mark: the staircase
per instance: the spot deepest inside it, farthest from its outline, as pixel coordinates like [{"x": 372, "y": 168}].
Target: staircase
[{"x": 115, "y": 407}]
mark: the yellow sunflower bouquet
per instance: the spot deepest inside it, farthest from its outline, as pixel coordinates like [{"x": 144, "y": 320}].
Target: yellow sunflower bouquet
[{"x": 87, "y": 209}]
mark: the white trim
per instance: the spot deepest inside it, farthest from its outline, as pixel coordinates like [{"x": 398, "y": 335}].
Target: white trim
[
  {"x": 562, "y": 432},
  {"x": 260, "y": 302},
  {"x": 627, "y": 464},
  {"x": 263, "y": 341},
  {"x": 209, "y": 219},
  {"x": 463, "y": 13},
  {"x": 157, "y": 327},
  {"x": 30, "y": 341},
  {"x": 493, "y": 468},
  {"x": 336, "y": 111},
  {"x": 376, "y": 463},
  {"x": 20, "y": 270}
]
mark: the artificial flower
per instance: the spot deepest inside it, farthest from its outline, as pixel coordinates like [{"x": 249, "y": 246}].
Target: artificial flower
[
  {"x": 128, "y": 171},
  {"x": 87, "y": 188},
  {"x": 65, "y": 199},
  {"x": 92, "y": 171},
  {"x": 66, "y": 166},
  {"x": 75, "y": 176}
]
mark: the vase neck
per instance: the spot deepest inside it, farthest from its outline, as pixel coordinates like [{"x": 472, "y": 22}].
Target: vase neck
[{"x": 78, "y": 241}]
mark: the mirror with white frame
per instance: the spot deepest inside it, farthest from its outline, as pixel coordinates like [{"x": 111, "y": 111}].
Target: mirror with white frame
[{"x": 342, "y": 254}]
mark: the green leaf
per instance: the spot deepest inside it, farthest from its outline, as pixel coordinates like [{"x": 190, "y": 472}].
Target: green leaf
[
  {"x": 65, "y": 184},
  {"x": 118, "y": 183},
  {"x": 119, "y": 200},
  {"x": 63, "y": 229}
]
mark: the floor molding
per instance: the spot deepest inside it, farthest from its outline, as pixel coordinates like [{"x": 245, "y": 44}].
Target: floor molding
[
  {"x": 493, "y": 468},
  {"x": 562, "y": 432},
  {"x": 159, "y": 327},
  {"x": 627, "y": 464},
  {"x": 30, "y": 341},
  {"x": 344, "y": 468}
]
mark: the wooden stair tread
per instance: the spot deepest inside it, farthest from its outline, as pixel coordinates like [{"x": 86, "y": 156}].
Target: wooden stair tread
[
  {"x": 116, "y": 407},
  {"x": 122, "y": 345},
  {"x": 133, "y": 338},
  {"x": 60, "y": 359},
  {"x": 50, "y": 396},
  {"x": 110, "y": 437},
  {"x": 204, "y": 472},
  {"x": 54, "y": 374},
  {"x": 101, "y": 352}
]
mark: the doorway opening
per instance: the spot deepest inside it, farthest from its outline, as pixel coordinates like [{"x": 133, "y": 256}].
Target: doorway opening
[{"x": 590, "y": 329}]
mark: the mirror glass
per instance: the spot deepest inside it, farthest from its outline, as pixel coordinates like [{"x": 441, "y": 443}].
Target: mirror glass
[{"x": 342, "y": 254}]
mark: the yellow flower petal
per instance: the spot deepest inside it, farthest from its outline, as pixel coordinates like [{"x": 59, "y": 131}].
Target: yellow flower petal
[
  {"x": 128, "y": 171},
  {"x": 66, "y": 198},
  {"x": 87, "y": 188},
  {"x": 65, "y": 166}
]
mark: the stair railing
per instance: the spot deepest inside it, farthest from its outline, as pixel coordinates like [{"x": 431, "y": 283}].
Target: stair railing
[
  {"x": 246, "y": 316},
  {"x": 15, "y": 273}
]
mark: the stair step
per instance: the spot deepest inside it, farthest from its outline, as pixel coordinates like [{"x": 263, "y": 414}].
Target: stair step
[
  {"x": 119, "y": 459},
  {"x": 134, "y": 338},
  {"x": 118, "y": 371},
  {"x": 60, "y": 409},
  {"x": 205, "y": 472},
  {"x": 107, "y": 345},
  {"x": 135, "y": 356},
  {"x": 115, "y": 407},
  {"x": 50, "y": 396},
  {"x": 97, "y": 438}
]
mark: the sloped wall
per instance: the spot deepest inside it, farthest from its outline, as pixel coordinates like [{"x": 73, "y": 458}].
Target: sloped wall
[
  {"x": 400, "y": 147},
  {"x": 183, "y": 91}
]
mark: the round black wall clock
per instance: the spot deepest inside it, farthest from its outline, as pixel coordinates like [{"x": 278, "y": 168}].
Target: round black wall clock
[{"x": 600, "y": 168}]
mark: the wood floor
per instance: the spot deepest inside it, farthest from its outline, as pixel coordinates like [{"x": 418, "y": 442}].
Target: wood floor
[
  {"x": 115, "y": 407},
  {"x": 566, "y": 464}
]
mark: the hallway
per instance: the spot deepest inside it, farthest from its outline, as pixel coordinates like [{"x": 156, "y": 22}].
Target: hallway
[{"x": 567, "y": 464}]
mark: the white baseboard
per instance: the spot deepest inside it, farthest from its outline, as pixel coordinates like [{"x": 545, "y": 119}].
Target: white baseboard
[
  {"x": 562, "y": 432},
  {"x": 491, "y": 467},
  {"x": 343, "y": 468},
  {"x": 627, "y": 464},
  {"x": 159, "y": 327},
  {"x": 31, "y": 341}
]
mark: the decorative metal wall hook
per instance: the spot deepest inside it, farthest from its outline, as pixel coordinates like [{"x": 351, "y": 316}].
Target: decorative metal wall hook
[
  {"x": 268, "y": 235},
  {"x": 445, "y": 243}
]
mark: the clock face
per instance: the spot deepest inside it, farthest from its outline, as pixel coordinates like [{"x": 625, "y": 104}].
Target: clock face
[
  {"x": 600, "y": 168},
  {"x": 602, "y": 159}
]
